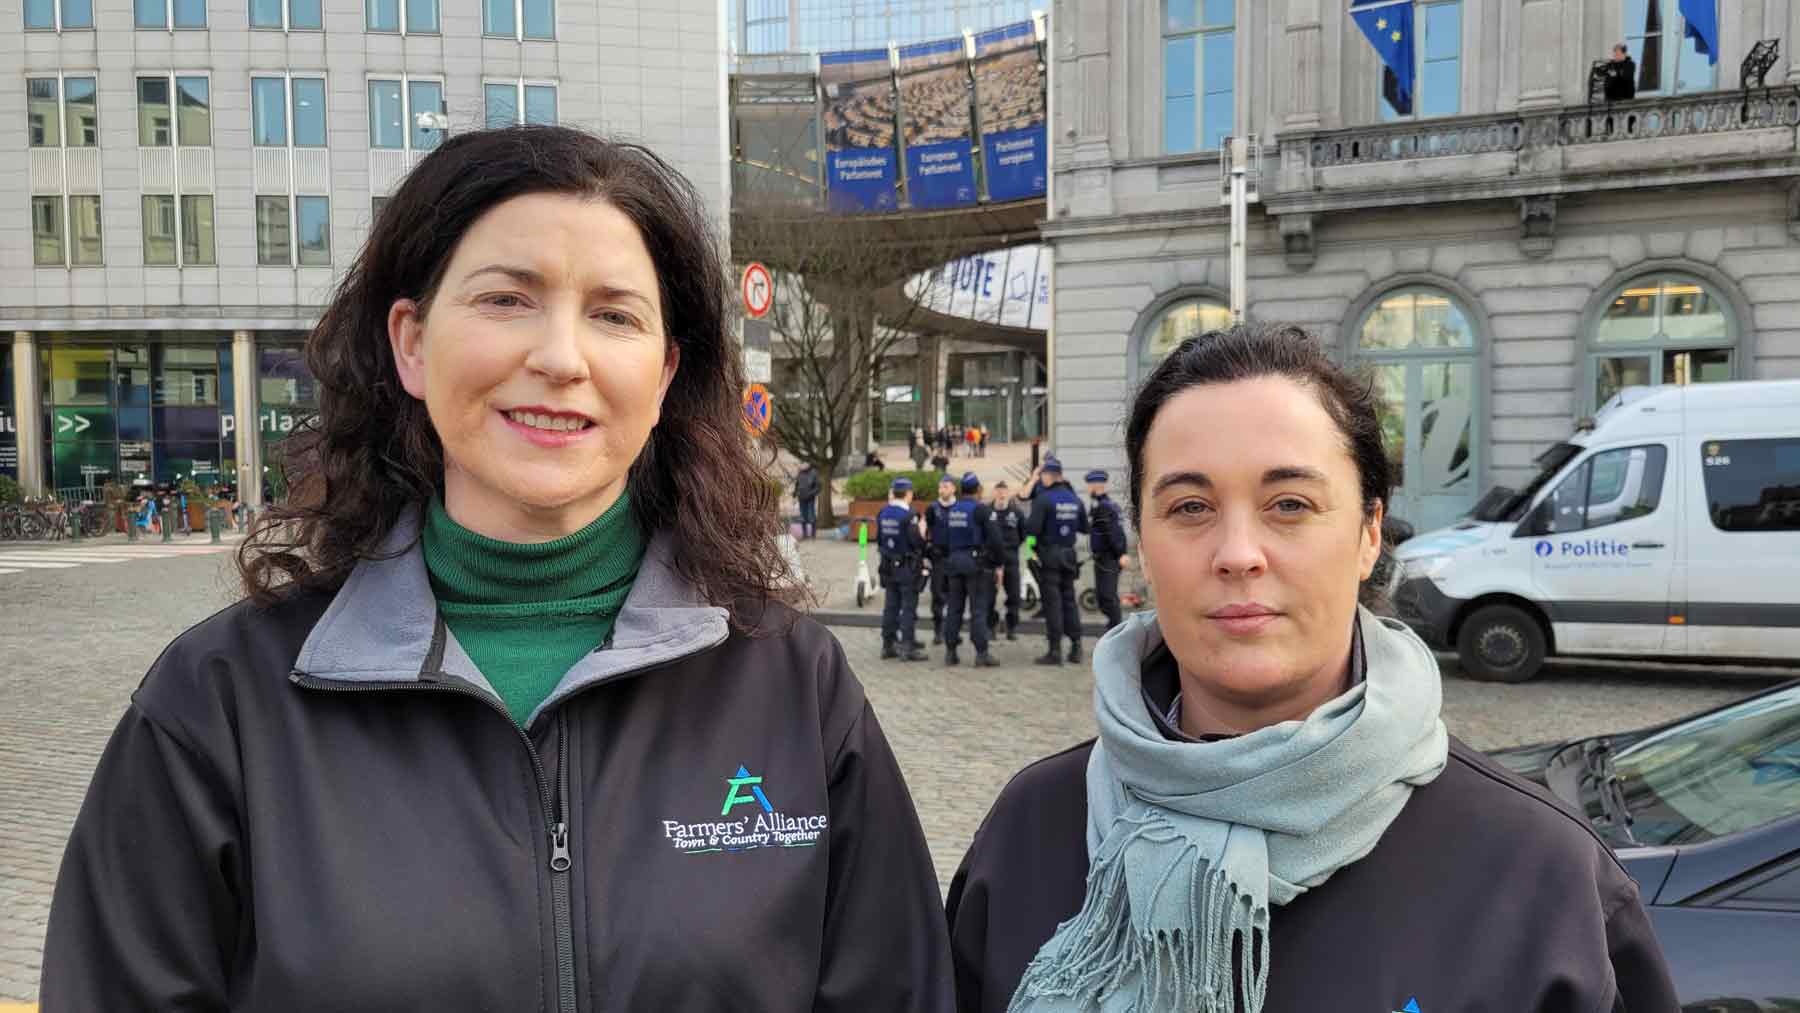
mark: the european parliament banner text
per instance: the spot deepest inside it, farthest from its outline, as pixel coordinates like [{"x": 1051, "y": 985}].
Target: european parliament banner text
[
  {"x": 1009, "y": 106},
  {"x": 935, "y": 124},
  {"x": 860, "y": 166}
]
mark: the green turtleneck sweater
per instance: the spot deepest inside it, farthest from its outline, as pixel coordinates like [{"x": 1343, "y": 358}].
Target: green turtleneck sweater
[{"x": 527, "y": 613}]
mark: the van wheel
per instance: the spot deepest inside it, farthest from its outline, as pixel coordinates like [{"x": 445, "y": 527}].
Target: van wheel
[{"x": 1501, "y": 643}]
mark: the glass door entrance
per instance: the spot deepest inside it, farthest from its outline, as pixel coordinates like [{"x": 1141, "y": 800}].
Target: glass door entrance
[
  {"x": 1428, "y": 425},
  {"x": 1421, "y": 347}
]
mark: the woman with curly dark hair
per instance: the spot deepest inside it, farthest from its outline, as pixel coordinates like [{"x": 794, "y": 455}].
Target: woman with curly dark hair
[{"x": 516, "y": 713}]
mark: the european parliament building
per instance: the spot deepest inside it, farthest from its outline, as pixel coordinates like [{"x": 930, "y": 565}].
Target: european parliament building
[
  {"x": 186, "y": 179},
  {"x": 789, "y": 53},
  {"x": 1504, "y": 245}
]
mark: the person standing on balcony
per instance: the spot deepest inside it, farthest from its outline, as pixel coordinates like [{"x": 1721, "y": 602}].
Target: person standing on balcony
[{"x": 1621, "y": 75}]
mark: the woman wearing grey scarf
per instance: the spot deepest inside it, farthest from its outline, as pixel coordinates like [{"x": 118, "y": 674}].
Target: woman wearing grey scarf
[{"x": 1273, "y": 817}]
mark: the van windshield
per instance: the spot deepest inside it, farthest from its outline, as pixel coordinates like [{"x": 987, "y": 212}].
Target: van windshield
[{"x": 1511, "y": 507}]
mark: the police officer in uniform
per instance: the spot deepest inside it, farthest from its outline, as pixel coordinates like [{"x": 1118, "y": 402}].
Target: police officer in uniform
[
  {"x": 902, "y": 547},
  {"x": 938, "y": 551},
  {"x": 1057, "y": 518},
  {"x": 1107, "y": 545},
  {"x": 1011, "y": 522},
  {"x": 974, "y": 543}
]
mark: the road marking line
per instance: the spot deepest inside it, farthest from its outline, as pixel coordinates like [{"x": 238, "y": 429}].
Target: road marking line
[
  {"x": 12, "y": 571},
  {"x": 56, "y": 556},
  {"x": 29, "y": 565}
]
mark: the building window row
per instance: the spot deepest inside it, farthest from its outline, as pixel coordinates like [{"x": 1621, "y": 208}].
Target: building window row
[
  {"x": 517, "y": 19},
  {"x": 288, "y": 111}
]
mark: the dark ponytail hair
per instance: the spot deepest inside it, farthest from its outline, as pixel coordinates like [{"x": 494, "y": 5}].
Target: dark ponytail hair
[{"x": 1251, "y": 351}]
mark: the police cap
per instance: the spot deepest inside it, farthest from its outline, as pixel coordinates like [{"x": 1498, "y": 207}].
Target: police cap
[
  {"x": 903, "y": 484},
  {"x": 970, "y": 482},
  {"x": 1096, "y": 475},
  {"x": 1051, "y": 464}
]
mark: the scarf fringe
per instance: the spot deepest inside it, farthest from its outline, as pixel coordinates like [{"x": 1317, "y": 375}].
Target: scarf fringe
[{"x": 1098, "y": 956}]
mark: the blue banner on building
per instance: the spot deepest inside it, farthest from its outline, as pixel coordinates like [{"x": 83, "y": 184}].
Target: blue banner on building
[
  {"x": 861, "y": 166},
  {"x": 860, "y": 179},
  {"x": 935, "y": 125},
  {"x": 1017, "y": 163},
  {"x": 1010, "y": 109},
  {"x": 940, "y": 175}
]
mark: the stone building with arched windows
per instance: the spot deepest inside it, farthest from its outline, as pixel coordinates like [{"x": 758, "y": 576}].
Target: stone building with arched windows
[{"x": 1500, "y": 253}]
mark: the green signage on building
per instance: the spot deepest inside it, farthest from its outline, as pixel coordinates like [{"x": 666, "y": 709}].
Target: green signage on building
[{"x": 82, "y": 425}]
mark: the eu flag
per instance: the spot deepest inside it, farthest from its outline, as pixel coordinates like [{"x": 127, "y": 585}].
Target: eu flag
[
  {"x": 1702, "y": 17},
  {"x": 1389, "y": 26}
]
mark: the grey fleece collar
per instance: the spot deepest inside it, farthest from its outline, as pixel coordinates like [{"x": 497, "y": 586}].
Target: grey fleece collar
[{"x": 383, "y": 626}]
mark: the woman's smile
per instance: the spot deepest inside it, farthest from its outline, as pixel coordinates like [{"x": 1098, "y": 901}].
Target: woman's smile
[{"x": 543, "y": 427}]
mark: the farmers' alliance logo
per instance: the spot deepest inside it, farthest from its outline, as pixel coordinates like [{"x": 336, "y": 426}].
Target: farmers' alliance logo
[{"x": 764, "y": 826}]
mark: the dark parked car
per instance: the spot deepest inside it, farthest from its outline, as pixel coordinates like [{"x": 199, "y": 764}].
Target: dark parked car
[{"x": 1705, "y": 813}]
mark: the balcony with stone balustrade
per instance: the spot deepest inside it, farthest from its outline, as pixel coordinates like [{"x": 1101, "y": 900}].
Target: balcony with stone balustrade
[{"x": 1535, "y": 157}]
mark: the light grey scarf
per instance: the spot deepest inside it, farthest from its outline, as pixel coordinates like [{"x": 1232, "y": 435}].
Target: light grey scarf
[{"x": 1190, "y": 843}]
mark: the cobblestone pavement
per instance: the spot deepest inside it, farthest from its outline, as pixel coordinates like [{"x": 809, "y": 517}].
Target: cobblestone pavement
[{"x": 76, "y": 642}]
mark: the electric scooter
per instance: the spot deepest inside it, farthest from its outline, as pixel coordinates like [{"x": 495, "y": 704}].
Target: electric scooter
[{"x": 865, "y": 587}]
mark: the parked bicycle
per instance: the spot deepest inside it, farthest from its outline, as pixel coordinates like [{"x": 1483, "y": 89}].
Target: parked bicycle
[{"x": 22, "y": 523}]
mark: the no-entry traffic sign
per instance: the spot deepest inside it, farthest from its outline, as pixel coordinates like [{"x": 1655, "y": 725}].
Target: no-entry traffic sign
[
  {"x": 759, "y": 409},
  {"x": 758, "y": 290}
]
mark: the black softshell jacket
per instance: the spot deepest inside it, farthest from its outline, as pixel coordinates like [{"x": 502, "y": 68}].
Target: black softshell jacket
[
  {"x": 323, "y": 807},
  {"x": 1484, "y": 896}
]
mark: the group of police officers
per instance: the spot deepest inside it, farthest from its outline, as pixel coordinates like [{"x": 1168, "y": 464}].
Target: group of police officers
[{"x": 966, "y": 549}]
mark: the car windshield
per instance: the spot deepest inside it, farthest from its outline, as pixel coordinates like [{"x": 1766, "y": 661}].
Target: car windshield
[
  {"x": 1510, "y": 507},
  {"x": 1728, "y": 771}
]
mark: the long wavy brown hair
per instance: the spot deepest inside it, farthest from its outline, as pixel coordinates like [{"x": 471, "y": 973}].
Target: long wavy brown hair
[{"x": 370, "y": 453}]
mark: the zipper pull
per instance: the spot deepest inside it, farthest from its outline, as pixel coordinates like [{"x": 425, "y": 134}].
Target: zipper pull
[{"x": 559, "y": 848}]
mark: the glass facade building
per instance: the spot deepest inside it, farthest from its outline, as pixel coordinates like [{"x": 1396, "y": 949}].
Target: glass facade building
[{"x": 157, "y": 406}]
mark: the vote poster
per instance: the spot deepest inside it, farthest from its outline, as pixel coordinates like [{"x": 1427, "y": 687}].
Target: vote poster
[
  {"x": 861, "y": 167},
  {"x": 1007, "y": 287},
  {"x": 937, "y": 125},
  {"x": 1010, "y": 110}
]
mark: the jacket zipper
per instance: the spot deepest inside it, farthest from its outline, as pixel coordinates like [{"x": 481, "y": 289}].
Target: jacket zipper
[
  {"x": 556, "y": 811},
  {"x": 559, "y": 873}
]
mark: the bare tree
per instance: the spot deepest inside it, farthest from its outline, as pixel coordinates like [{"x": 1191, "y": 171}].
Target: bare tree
[{"x": 841, "y": 304}]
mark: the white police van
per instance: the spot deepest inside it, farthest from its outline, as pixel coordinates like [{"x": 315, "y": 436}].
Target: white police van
[{"x": 1667, "y": 526}]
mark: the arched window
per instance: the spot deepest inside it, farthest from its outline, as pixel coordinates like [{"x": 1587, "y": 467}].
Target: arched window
[
  {"x": 1657, "y": 329},
  {"x": 1420, "y": 343},
  {"x": 1178, "y": 322}
]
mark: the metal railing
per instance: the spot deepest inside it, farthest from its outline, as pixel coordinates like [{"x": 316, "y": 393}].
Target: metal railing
[{"x": 1713, "y": 112}]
